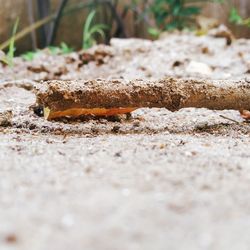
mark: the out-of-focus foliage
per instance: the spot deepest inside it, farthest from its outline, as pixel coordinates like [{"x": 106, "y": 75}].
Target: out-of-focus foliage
[
  {"x": 234, "y": 15},
  {"x": 90, "y": 30},
  {"x": 175, "y": 14},
  {"x": 108, "y": 18},
  {"x": 62, "y": 49},
  {"x": 29, "y": 55},
  {"x": 237, "y": 19},
  {"x": 54, "y": 50},
  {"x": 8, "y": 58}
]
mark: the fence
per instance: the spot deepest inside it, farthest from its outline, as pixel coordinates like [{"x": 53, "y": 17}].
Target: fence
[
  {"x": 221, "y": 12},
  {"x": 12, "y": 9}
]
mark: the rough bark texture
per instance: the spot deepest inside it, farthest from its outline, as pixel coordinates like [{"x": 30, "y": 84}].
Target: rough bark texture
[{"x": 169, "y": 93}]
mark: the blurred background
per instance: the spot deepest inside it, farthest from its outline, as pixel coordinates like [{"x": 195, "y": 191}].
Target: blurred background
[{"x": 50, "y": 22}]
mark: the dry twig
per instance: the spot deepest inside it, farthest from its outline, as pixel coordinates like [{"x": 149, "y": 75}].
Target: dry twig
[{"x": 169, "y": 93}]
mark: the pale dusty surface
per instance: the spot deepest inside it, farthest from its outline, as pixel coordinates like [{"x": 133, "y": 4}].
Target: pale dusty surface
[
  {"x": 162, "y": 191},
  {"x": 158, "y": 180},
  {"x": 184, "y": 55}
]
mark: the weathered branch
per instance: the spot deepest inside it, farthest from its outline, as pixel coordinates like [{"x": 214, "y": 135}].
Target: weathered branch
[{"x": 169, "y": 93}]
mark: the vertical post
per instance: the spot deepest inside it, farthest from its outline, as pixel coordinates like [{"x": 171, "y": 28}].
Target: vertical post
[
  {"x": 43, "y": 11},
  {"x": 31, "y": 21}
]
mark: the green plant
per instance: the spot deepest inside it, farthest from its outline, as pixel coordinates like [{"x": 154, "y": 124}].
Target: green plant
[
  {"x": 90, "y": 32},
  {"x": 62, "y": 49},
  {"x": 8, "y": 58},
  {"x": 236, "y": 18},
  {"x": 54, "y": 50},
  {"x": 175, "y": 14},
  {"x": 154, "y": 32},
  {"x": 27, "y": 30},
  {"x": 30, "y": 55},
  {"x": 65, "y": 49}
]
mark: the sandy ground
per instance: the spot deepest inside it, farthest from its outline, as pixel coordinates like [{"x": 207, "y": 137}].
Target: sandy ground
[
  {"x": 158, "y": 191},
  {"x": 157, "y": 180}
]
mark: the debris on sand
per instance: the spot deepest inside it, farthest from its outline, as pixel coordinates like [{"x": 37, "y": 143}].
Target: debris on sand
[
  {"x": 199, "y": 68},
  {"x": 5, "y": 118},
  {"x": 99, "y": 54},
  {"x": 144, "y": 59},
  {"x": 245, "y": 114},
  {"x": 223, "y": 32}
]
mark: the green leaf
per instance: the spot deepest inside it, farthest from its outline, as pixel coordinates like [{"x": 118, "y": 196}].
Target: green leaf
[
  {"x": 65, "y": 49},
  {"x": 29, "y": 56},
  {"x": 154, "y": 32},
  {"x": 54, "y": 50},
  {"x": 234, "y": 16},
  {"x": 98, "y": 28},
  {"x": 189, "y": 11},
  {"x": 8, "y": 59},
  {"x": 86, "y": 28},
  {"x": 176, "y": 14},
  {"x": 89, "y": 31}
]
